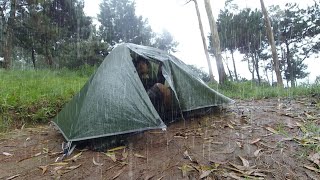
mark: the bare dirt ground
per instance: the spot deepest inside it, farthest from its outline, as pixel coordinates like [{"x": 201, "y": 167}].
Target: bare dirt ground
[{"x": 257, "y": 139}]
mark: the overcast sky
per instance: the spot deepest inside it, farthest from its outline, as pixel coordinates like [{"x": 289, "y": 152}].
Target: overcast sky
[{"x": 181, "y": 21}]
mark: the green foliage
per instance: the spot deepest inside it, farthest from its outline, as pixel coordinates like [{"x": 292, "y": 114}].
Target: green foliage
[
  {"x": 202, "y": 74},
  {"x": 42, "y": 26},
  {"x": 317, "y": 81},
  {"x": 36, "y": 96},
  {"x": 75, "y": 55},
  {"x": 119, "y": 23},
  {"x": 296, "y": 33},
  {"x": 243, "y": 31},
  {"x": 165, "y": 41},
  {"x": 296, "y": 39}
]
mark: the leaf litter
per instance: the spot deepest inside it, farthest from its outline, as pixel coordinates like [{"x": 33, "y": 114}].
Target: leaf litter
[
  {"x": 96, "y": 163},
  {"x": 238, "y": 171},
  {"x": 244, "y": 170}
]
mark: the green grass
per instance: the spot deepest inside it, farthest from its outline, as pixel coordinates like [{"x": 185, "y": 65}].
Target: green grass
[
  {"x": 35, "y": 96},
  {"x": 249, "y": 90},
  {"x": 313, "y": 130}
]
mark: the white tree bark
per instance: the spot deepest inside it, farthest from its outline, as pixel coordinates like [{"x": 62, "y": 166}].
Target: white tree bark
[
  {"x": 215, "y": 43},
  {"x": 276, "y": 63},
  {"x": 205, "y": 47}
]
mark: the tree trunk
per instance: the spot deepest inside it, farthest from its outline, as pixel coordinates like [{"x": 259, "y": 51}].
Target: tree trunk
[
  {"x": 215, "y": 43},
  {"x": 234, "y": 66},
  {"x": 289, "y": 64},
  {"x": 33, "y": 58},
  {"x": 272, "y": 79},
  {"x": 9, "y": 35},
  {"x": 253, "y": 67},
  {"x": 204, "y": 41},
  {"x": 276, "y": 63},
  {"x": 256, "y": 64},
  {"x": 266, "y": 74},
  {"x": 230, "y": 73},
  {"x": 49, "y": 57}
]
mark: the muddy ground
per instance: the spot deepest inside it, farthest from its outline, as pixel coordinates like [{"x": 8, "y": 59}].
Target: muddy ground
[{"x": 256, "y": 139}]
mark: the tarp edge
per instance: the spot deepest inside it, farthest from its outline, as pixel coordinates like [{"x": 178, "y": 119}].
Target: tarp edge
[{"x": 162, "y": 126}]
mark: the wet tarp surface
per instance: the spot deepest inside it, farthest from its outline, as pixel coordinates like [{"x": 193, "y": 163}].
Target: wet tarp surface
[{"x": 114, "y": 101}]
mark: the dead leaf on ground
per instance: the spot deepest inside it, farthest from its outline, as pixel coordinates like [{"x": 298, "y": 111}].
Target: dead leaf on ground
[
  {"x": 286, "y": 139},
  {"x": 73, "y": 167},
  {"x": 45, "y": 150},
  {"x": 185, "y": 168},
  {"x": 259, "y": 174},
  {"x": 311, "y": 175},
  {"x": 312, "y": 168},
  {"x": 266, "y": 145},
  {"x": 12, "y": 177},
  {"x": 44, "y": 168},
  {"x": 7, "y": 154},
  {"x": 38, "y": 154},
  {"x": 239, "y": 144},
  {"x": 61, "y": 171},
  {"x": 239, "y": 168},
  {"x": 272, "y": 130},
  {"x": 266, "y": 135},
  {"x": 117, "y": 148},
  {"x": 256, "y": 153},
  {"x": 55, "y": 153},
  {"x": 251, "y": 172},
  {"x": 315, "y": 158},
  {"x": 56, "y": 169},
  {"x": 233, "y": 175},
  {"x": 244, "y": 162},
  {"x": 59, "y": 164},
  {"x": 187, "y": 156},
  {"x": 74, "y": 158},
  {"x": 233, "y": 123},
  {"x": 291, "y": 124},
  {"x": 149, "y": 176},
  {"x": 255, "y": 141},
  {"x": 111, "y": 167},
  {"x": 310, "y": 117},
  {"x": 180, "y": 135},
  {"x": 124, "y": 155},
  {"x": 230, "y": 126},
  {"x": 244, "y": 119},
  {"x": 216, "y": 142},
  {"x": 111, "y": 155},
  {"x": 139, "y": 156},
  {"x": 316, "y": 138},
  {"x": 246, "y": 127},
  {"x": 118, "y": 174},
  {"x": 303, "y": 129},
  {"x": 205, "y": 173},
  {"x": 305, "y": 141},
  {"x": 245, "y": 170},
  {"x": 160, "y": 178},
  {"x": 96, "y": 163}
]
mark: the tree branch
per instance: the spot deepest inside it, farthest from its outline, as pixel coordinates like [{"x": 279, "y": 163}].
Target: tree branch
[{"x": 188, "y": 2}]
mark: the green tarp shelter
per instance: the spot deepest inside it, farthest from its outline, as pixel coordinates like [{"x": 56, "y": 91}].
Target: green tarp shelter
[{"x": 114, "y": 101}]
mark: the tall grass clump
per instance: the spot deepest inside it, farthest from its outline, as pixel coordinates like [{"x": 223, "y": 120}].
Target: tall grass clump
[{"x": 33, "y": 96}]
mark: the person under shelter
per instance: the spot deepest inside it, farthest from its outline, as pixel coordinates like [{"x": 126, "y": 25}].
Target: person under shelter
[{"x": 154, "y": 84}]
